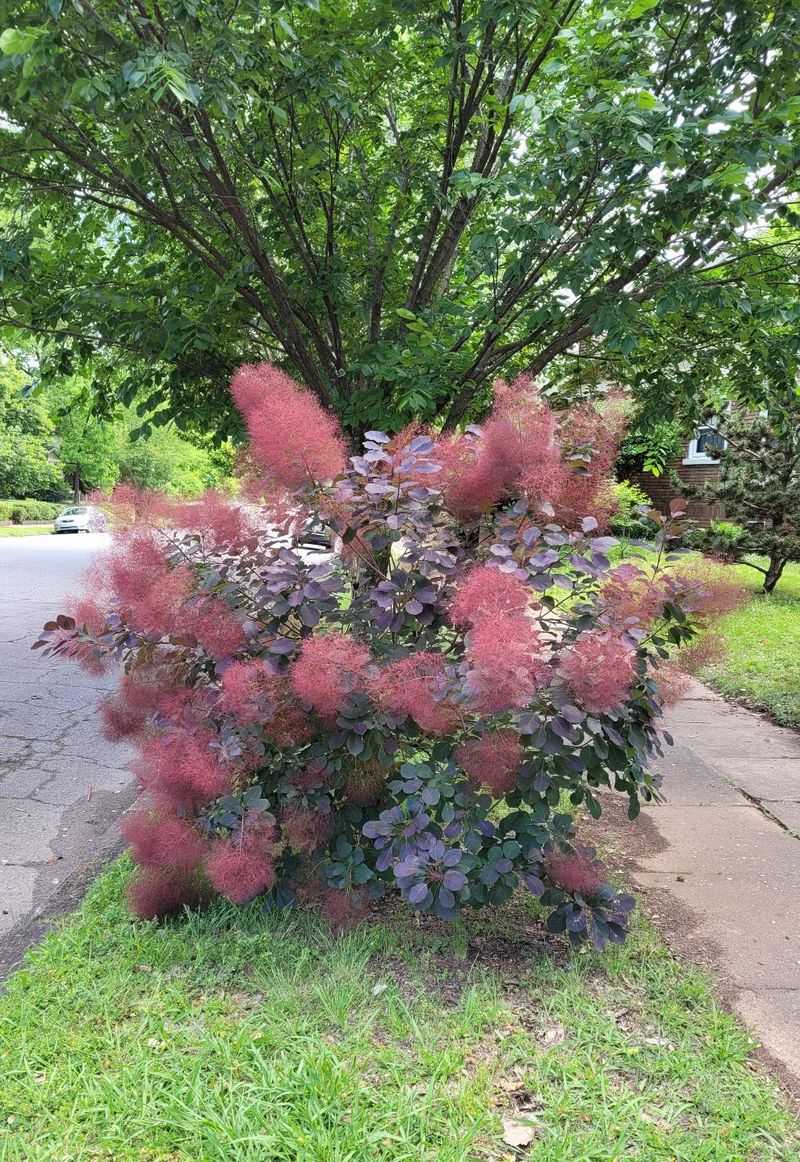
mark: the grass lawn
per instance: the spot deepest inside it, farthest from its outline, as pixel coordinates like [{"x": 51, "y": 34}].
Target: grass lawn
[
  {"x": 236, "y": 1037},
  {"x": 26, "y": 530},
  {"x": 763, "y": 638}
]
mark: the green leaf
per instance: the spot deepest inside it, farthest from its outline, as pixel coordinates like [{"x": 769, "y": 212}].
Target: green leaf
[
  {"x": 19, "y": 41},
  {"x": 639, "y": 7}
]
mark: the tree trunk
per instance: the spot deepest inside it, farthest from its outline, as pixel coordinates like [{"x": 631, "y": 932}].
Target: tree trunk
[
  {"x": 76, "y": 486},
  {"x": 773, "y": 574}
]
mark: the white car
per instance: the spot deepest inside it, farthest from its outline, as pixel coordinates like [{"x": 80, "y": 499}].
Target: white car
[{"x": 83, "y": 518}]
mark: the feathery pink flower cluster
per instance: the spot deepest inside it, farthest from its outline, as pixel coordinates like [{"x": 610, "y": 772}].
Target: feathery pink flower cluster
[
  {"x": 142, "y": 583},
  {"x": 163, "y": 840},
  {"x": 243, "y": 866},
  {"x": 504, "y": 662},
  {"x": 486, "y": 590},
  {"x": 222, "y": 523},
  {"x": 214, "y": 625},
  {"x": 522, "y": 450},
  {"x": 630, "y": 598},
  {"x": 492, "y": 760},
  {"x": 599, "y": 669},
  {"x": 417, "y": 686},
  {"x": 575, "y": 871},
  {"x": 293, "y": 438},
  {"x": 88, "y": 614},
  {"x": 253, "y": 694},
  {"x": 344, "y": 910},
  {"x": 141, "y": 693},
  {"x": 239, "y": 872},
  {"x": 330, "y": 667},
  {"x": 304, "y": 829},
  {"x": 181, "y": 770},
  {"x": 471, "y": 479},
  {"x": 156, "y": 892},
  {"x": 707, "y": 588}
]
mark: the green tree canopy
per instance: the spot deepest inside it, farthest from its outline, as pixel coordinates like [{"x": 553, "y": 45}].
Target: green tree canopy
[
  {"x": 735, "y": 339},
  {"x": 396, "y": 201},
  {"x": 166, "y": 462},
  {"x": 28, "y": 466},
  {"x": 759, "y": 487}
]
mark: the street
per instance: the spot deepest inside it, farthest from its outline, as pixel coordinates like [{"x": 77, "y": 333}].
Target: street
[{"x": 62, "y": 785}]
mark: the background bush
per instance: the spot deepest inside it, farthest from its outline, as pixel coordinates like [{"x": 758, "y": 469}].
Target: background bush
[
  {"x": 629, "y": 520},
  {"x": 29, "y": 510}
]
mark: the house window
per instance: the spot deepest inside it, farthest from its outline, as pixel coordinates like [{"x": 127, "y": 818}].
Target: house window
[{"x": 702, "y": 445}]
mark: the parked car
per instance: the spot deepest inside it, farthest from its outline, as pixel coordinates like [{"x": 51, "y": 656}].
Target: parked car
[{"x": 83, "y": 518}]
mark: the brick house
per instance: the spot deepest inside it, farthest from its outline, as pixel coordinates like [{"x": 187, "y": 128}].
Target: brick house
[{"x": 695, "y": 466}]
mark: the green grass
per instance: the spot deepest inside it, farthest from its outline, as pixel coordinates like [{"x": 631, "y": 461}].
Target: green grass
[
  {"x": 25, "y": 530},
  {"x": 762, "y": 666},
  {"x": 235, "y": 1037}
]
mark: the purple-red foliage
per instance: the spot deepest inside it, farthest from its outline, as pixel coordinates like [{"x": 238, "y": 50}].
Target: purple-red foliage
[
  {"x": 330, "y": 667},
  {"x": 492, "y": 760},
  {"x": 599, "y": 669},
  {"x": 250, "y": 685},
  {"x": 292, "y": 437}
]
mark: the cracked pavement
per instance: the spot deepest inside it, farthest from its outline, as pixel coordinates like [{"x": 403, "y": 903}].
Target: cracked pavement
[
  {"x": 719, "y": 861},
  {"x": 62, "y": 785}
]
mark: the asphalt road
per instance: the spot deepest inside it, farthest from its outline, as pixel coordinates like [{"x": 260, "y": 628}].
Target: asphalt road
[{"x": 62, "y": 786}]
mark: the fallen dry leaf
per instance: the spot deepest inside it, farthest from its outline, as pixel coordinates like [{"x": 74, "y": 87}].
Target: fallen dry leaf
[
  {"x": 518, "y": 1133},
  {"x": 554, "y": 1035}
]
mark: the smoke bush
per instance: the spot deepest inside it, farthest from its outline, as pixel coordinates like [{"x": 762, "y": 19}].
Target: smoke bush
[{"x": 324, "y": 727}]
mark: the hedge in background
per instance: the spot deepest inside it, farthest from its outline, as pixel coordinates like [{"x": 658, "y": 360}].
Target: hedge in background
[{"x": 19, "y": 511}]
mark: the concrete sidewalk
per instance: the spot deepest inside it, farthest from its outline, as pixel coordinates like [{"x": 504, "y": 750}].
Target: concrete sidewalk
[
  {"x": 719, "y": 862},
  {"x": 62, "y": 785}
]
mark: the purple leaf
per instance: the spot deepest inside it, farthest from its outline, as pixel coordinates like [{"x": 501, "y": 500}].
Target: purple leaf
[
  {"x": 446, "y": 898},
  {"x": 544, "y": 559},
  {"x": 282, "y": 645}
]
